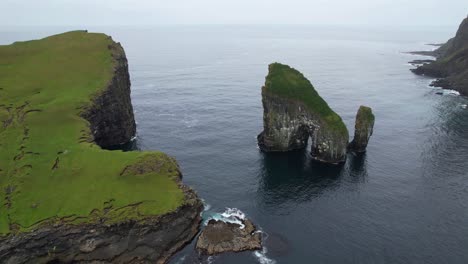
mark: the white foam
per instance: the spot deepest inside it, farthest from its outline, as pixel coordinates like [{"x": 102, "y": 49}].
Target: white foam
[
  {"x": 464, "y": 106},
  {"x": 210, "y": 259},
  {"x": 231, "y": 215},
  {"x": 206, "y": 205},
  {"x": 262, "y": 258},
  {"x": 233, "y": 212},
  {"x": 181, "y": 260},
  {"x": 451, "y": 92}
]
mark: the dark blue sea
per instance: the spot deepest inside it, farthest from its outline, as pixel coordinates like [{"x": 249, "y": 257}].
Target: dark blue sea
[{"x": 196, "y": 95}]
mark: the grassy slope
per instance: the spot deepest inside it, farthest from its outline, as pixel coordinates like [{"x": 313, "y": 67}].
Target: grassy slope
[
  {"x": 54, "y": 78},
  {"x": 287, "y": 82}
]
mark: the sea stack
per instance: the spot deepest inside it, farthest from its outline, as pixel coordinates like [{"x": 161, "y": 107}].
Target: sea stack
[
  {"x": 294, "y": 111},
  {"x": 363, "y": 129}
]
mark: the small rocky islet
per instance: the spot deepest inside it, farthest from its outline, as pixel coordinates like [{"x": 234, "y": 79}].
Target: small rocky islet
[
  {"x": 295, "y": 112},
  {"x": 220, "y": 236}
]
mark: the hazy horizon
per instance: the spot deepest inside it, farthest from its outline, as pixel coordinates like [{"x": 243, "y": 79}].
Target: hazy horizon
[{"x": 376, "y": 13}]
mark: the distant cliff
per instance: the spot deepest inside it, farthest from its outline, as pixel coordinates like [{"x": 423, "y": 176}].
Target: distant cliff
[
  {"x": 64, "y": 199},
  {"x": 451, "y": 66},
  {"x": 294, "y": 111}
]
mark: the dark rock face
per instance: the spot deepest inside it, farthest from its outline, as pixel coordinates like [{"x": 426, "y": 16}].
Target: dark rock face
[
  {"x": 289, "y": 124},
  {"x": 451, "y": 66},
  {"x": 363, "y": 129},
  {"x": 111, "y": 115},
  {"x": 219, "y": 237},
  {"x": 152, "y": 240}
]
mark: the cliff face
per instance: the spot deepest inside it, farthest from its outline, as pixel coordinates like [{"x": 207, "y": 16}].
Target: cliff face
[
  {"x": 451, "y": 66},
  {"x": 363, "y": 129},
  {"x": 111, "y": 115},
  {"x": 289, "y": 121},
  {"x": 151, "y": 240},
  {"x": 62, "y": 198}
]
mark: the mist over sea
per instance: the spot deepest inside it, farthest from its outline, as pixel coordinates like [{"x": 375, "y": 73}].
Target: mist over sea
[{"x": 196, "y": 94}]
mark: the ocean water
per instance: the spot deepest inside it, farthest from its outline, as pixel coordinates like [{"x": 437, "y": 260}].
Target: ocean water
[{"x": 196, "y": 95}]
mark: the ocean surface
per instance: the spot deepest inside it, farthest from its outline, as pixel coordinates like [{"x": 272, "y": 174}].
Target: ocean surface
[{"x": 196, "y": 95}]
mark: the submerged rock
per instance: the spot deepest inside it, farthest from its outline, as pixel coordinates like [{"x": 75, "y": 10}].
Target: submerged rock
[
  {"x": 219, "y": 237},
  {"x": 294, "y": 111},
  {"x": 363, "y": 129}
]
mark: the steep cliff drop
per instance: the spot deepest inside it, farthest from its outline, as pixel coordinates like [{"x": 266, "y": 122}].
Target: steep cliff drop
[
  {"x": 111, "y": 113},
  {"x": 451, "y": 66},
  {"x": 294, "y": 111},
  {"x": 64, "y": 199},
  {"x": 363, "y": 129}
]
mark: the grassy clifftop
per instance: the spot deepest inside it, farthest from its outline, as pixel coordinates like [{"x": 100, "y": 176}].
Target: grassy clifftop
[
  {"x": 288, "y": 82},
  {"x": 48, "y": 170}
]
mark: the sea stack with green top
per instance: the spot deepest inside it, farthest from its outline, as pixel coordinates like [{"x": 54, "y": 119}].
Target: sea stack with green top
[
  {"x": 363, "y": 129},
  {"x": 63, "y": 198},
  {"x": 294, "y": 111}
]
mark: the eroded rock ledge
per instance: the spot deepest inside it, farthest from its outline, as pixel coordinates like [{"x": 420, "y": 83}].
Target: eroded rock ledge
[
  {"x": 150, "y": 240},
  {"x": 294, "y": 111}
]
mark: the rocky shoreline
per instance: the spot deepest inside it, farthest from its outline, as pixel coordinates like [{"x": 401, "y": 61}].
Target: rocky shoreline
[
  {"x": 150, "y": 240},
  {"x": 451, "y": 64}
]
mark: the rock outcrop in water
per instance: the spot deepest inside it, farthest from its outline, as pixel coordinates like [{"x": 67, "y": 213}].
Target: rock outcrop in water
[
  {"x": 294, "y": 111},
  {"x": 451, "y": 66},
  {"x": 363, "y": 130},
  {"x": 220, "y": 237}
]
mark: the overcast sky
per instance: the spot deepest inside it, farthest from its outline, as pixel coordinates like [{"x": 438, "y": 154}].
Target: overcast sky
[{"x": 154, "y": 12}]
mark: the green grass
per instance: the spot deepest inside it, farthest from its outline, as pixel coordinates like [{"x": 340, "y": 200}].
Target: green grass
[
  {"x": 365, "y": 114},
  {"x": 43, "y": 85},
  {"x": 287, "y": 82}
]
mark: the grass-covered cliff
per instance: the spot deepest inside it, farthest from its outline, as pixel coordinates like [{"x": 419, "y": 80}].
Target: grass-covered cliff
[
  {"x": 293, "y": 113},
  {"x": 287, "y": 82},
  {"x": 50, "y": 170},
  {"x": 451, "y": 66}
]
